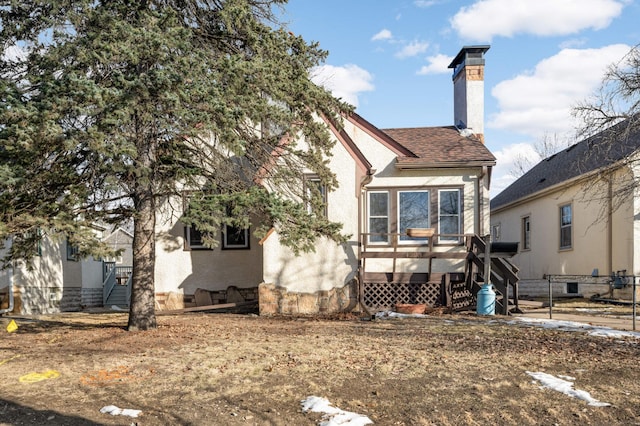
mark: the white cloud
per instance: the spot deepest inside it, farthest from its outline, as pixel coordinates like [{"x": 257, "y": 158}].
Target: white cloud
[
  {"x": 540, "y": 102},
  {"x": 344, "y": 82},
  {"x": 506, "y": 157},
  {"x": 541, "y": 17},
  {"x": 425, "y": 3},
  {"x": 384, "y": 34},
  {"x": 438, "y": 64},
  {"x": 412, "y": 49},
  {"x": 573, "y": 43}
]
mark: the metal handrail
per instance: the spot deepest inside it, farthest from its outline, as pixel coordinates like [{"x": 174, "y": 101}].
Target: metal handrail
[{"x": 128, "y": 285}]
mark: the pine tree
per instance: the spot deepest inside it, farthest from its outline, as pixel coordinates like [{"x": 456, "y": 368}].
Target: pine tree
[{"x": 111, "y": 108}]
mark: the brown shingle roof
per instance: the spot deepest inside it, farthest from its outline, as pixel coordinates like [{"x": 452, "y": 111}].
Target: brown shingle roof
[{"x": 440, "y": 146}]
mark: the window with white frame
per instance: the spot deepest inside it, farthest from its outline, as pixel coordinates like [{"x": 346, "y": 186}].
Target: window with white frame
[
  {"x": 314, "y": 187},
  {"x": 235, "y": 238},
  {"x": 566, "y": 222},
  {"x": 413, "y": 212},
  {"x": 193, "y": 239},
  {"x": 395, "y": 210},
  {"x": 526, "y": 233},
  {"x": 378, "y": 210},
  {"x": 449, "y": 214}
]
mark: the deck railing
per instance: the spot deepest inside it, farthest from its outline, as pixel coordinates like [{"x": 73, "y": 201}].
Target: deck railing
[
  {"x": 449, "y": 284},
  {"x": 116, "y": 276}
]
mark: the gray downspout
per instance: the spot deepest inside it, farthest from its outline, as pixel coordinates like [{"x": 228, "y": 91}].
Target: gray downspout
[
  {"x": 365, "y": 180},
  {"x": 480, "y": 218},
  {"x": 610, "y": 225}
]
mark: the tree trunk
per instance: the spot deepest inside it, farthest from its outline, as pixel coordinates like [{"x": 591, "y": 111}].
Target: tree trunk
[{"x": 142, "y": 314}]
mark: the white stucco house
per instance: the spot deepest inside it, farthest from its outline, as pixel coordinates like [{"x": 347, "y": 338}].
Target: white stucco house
[
  {"x": 576, "y": 216},
  {"x": 390, "y": 180},
  {"x": 415, "y": 202}
]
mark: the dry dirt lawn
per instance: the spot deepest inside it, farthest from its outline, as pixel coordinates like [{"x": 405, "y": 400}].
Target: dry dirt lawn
[{"x": 231, "y": 369}]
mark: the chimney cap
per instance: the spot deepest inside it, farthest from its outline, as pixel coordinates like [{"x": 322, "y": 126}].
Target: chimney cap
[{"x": 475, "y": 53}]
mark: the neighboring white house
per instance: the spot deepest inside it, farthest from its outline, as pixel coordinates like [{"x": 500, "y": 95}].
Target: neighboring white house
[
  {"x": 122, "y": 240},
  {"x": 389, "y": 180},
  {"x": 57, "y": 280},
  {"x": 574, "y": 222}
]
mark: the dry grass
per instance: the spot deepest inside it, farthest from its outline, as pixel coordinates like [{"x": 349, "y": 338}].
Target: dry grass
[{"x": 224, "y": 369}]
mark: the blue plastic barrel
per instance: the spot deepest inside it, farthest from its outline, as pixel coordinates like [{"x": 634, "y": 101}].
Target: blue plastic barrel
[{"x": 486, "y": 304}]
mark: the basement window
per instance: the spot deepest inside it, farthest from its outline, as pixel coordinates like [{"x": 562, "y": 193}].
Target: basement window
[
  {"x": 193, "y": 239},
  {"x": 235, "y": 238},
  {"x": 572, "y": 288}
]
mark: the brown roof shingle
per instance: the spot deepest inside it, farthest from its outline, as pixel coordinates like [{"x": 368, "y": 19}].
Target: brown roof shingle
[{"x": 440, "y": 146}]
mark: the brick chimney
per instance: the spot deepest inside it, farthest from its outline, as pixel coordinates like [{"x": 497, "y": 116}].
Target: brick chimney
[{"x": 468, "y": 90}]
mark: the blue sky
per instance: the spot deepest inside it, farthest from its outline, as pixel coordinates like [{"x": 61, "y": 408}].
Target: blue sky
[{"x": 389, "y": 58}]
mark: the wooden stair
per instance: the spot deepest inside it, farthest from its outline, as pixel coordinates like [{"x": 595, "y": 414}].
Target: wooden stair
[
  {"x": 119, "y": 296},
  {"x": 503, "y": 275}
]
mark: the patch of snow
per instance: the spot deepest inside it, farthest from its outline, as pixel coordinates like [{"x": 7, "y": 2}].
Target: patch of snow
[
  {"x": 592, "y": 310},
  {"x": 333, "y": 416},
  {"x": 577, "y": 326},
  {"x": 566, "y": 387},
  {"x": 391, "y": 314},
  {"x": 117, "y": 308},
  {"x": 571, "y": 379},
  {"x": 115, "y": 411}
]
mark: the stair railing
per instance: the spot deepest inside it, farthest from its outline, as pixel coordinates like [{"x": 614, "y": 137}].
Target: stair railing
[
  {"x": 503, "y": 273},
  {"x": 109, "y": 280},
  {"x": 128, "y": 285}
]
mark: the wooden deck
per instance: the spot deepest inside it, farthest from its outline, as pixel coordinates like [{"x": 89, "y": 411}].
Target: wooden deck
[{"x": 453, "y": 286}]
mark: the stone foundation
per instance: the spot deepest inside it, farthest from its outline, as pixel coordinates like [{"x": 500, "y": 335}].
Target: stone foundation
[
  {"x": 47, "y": 300},
  {"x": 174, "y": 300},
  {"x": 234, "y": 294},
  {"x": 277, "y": 300},
  {"x": 91, "y": 297}
]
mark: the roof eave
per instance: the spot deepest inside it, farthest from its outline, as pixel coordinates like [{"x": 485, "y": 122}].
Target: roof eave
[
  {"x": 379, "y": 135},
  {"x": 441, "y": 165},
  {"x": 553, "y": 188}
]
